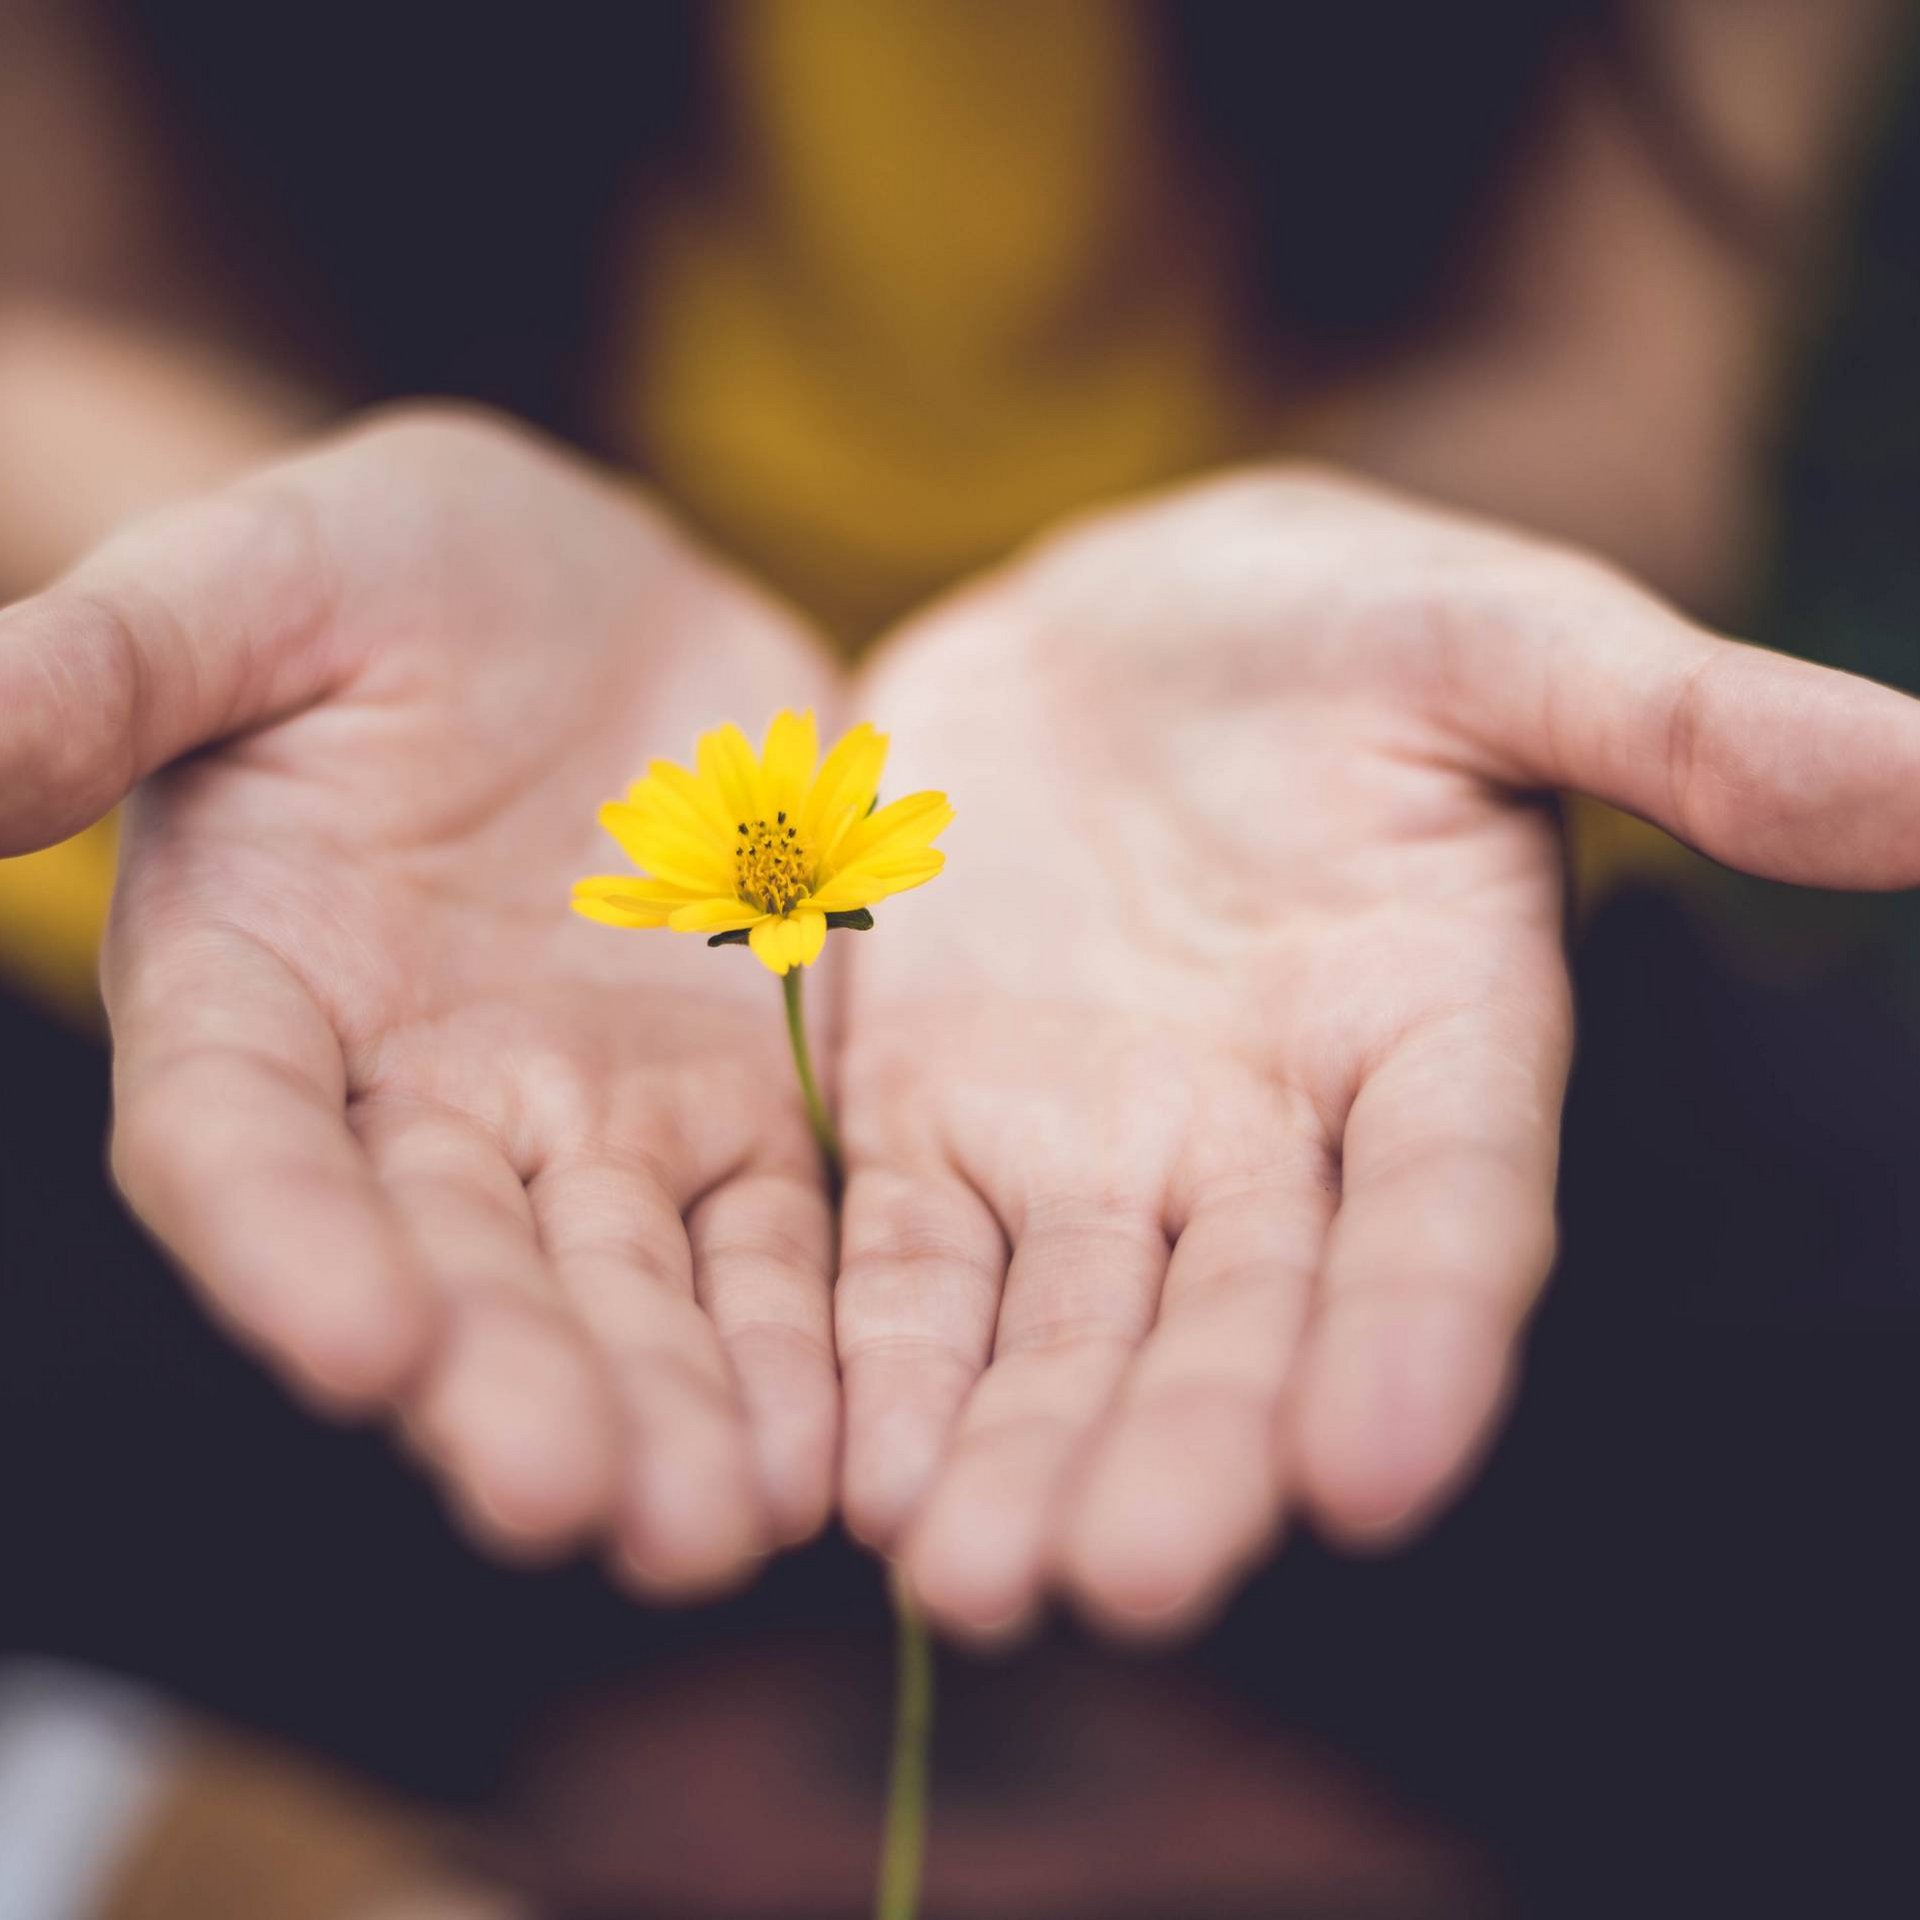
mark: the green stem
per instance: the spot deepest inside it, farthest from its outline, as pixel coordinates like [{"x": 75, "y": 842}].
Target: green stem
[
  {"x": 903, "y": 1845},
  {"x": 903, "y": 1842},
  {"x": 817, "y": 1115}
]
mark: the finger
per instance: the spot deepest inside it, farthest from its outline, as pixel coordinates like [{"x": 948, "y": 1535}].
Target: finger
[
  {"x": 689, "y": 1516},
  {"x": 231, "y": 1143},
  {"x": 1080, "y": 1296},
  {"x": 515, "y": 1411},
  {"x": 1443, "y": 1238},
  {"x": 921, "y": 1265},
  {"x": 194, "y": 624},
  {"x": 763, "y": 1260},
  {"x": 1580, "y": 679},
  {"x": 1185, "y": 1486}
]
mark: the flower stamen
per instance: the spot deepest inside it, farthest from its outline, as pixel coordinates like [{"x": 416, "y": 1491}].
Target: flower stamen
[{"x": 772, "y": 865}]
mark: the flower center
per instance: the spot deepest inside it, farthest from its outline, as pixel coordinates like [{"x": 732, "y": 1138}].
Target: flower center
[{"x": 772, "y": 865}]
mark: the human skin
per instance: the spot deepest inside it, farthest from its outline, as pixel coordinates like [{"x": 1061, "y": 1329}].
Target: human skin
[
  {"x": 1203, "y": 1120},
  {"x": 437, "y": 1149}
]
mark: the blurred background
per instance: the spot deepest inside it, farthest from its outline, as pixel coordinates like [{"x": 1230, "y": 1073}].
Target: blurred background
[{"x": 1662, "y": 1657}]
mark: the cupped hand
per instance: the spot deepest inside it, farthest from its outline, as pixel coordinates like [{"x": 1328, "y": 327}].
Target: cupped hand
[
  {"x": 1203, "y": 1119},
  {"x": 428, "y": 1141}
]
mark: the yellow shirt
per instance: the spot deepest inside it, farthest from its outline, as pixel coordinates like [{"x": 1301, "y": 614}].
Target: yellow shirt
[{"x": 947, "y": 286}]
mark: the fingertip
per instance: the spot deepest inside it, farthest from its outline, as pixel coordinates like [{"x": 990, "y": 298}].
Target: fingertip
[
  {"x": 666, "y": 1571},
  {"x": 691, "y": 1525},
  {"x": 1120, "y": 1568},
  {"x": 1149, "y": 1555},
  {"x": 888, "y": 1466},
  {"x": 796, "y": 1479},
  {"x": 900, "y": 1410},
  {"x": 641, "y": 1575},
  {"x": 1802, "y": 773},
  {"x": 346, "y": 1341},
  {"x": 792, "y": 1406},
  {"x": 1158, "y": 1616},
  {"x": 63, "y": 759},
  {"x": 978, "y": 1582},
  {"x": 355, "y": 1351},
  {"x": 979, "y": 1621},
  {"x": 1397, "y": 1407},
  {"x": 514, "y": 1419}
]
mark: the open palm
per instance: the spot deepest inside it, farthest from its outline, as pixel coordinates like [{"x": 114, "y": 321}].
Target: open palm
[
  {"x": 429, "y": 1141},
  {"x": 1203, "y": 1120}
]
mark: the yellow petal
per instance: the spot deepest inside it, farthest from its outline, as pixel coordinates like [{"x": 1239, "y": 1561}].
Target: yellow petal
[
  {"x": 786, "y": 761},
  {"x": 690, "y": 803},
  {"x": 902, "y": 827},
  {"x": 794, "y": 941},
  {"x": 733, "y": 768},
  {"x": 613, "y": 909},
  {"x": 849, "y": 778},
  {"x": 845, "y": 891},
  {"x": 633, "y": 886},
  {"x": 809, "y": 936},
  {"x": 700, "y": 865},
  {"x": 715, "y": 916},
  {"x": 871, "y": 880}
]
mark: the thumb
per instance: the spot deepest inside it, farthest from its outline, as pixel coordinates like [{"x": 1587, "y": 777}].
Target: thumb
[
  {"x": 194, "y": 624},
  {"x": 1770, "y": 764}
]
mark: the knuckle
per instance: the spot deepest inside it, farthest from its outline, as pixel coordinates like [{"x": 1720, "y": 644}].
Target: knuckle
[
  {"x": 1689, "y": 726},
  {"x": 902, "y": 1223},
  {"x": 771, "y": 1246},
  {"x": 792, "y": 1349},
  {"x": 916, "y": 1350}
]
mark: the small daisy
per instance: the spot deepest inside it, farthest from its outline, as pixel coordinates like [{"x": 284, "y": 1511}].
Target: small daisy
[{"x": 770, "y": 848}]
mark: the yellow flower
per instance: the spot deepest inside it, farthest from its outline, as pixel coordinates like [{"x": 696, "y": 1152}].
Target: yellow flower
[{"x": 769, "y": 848}]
